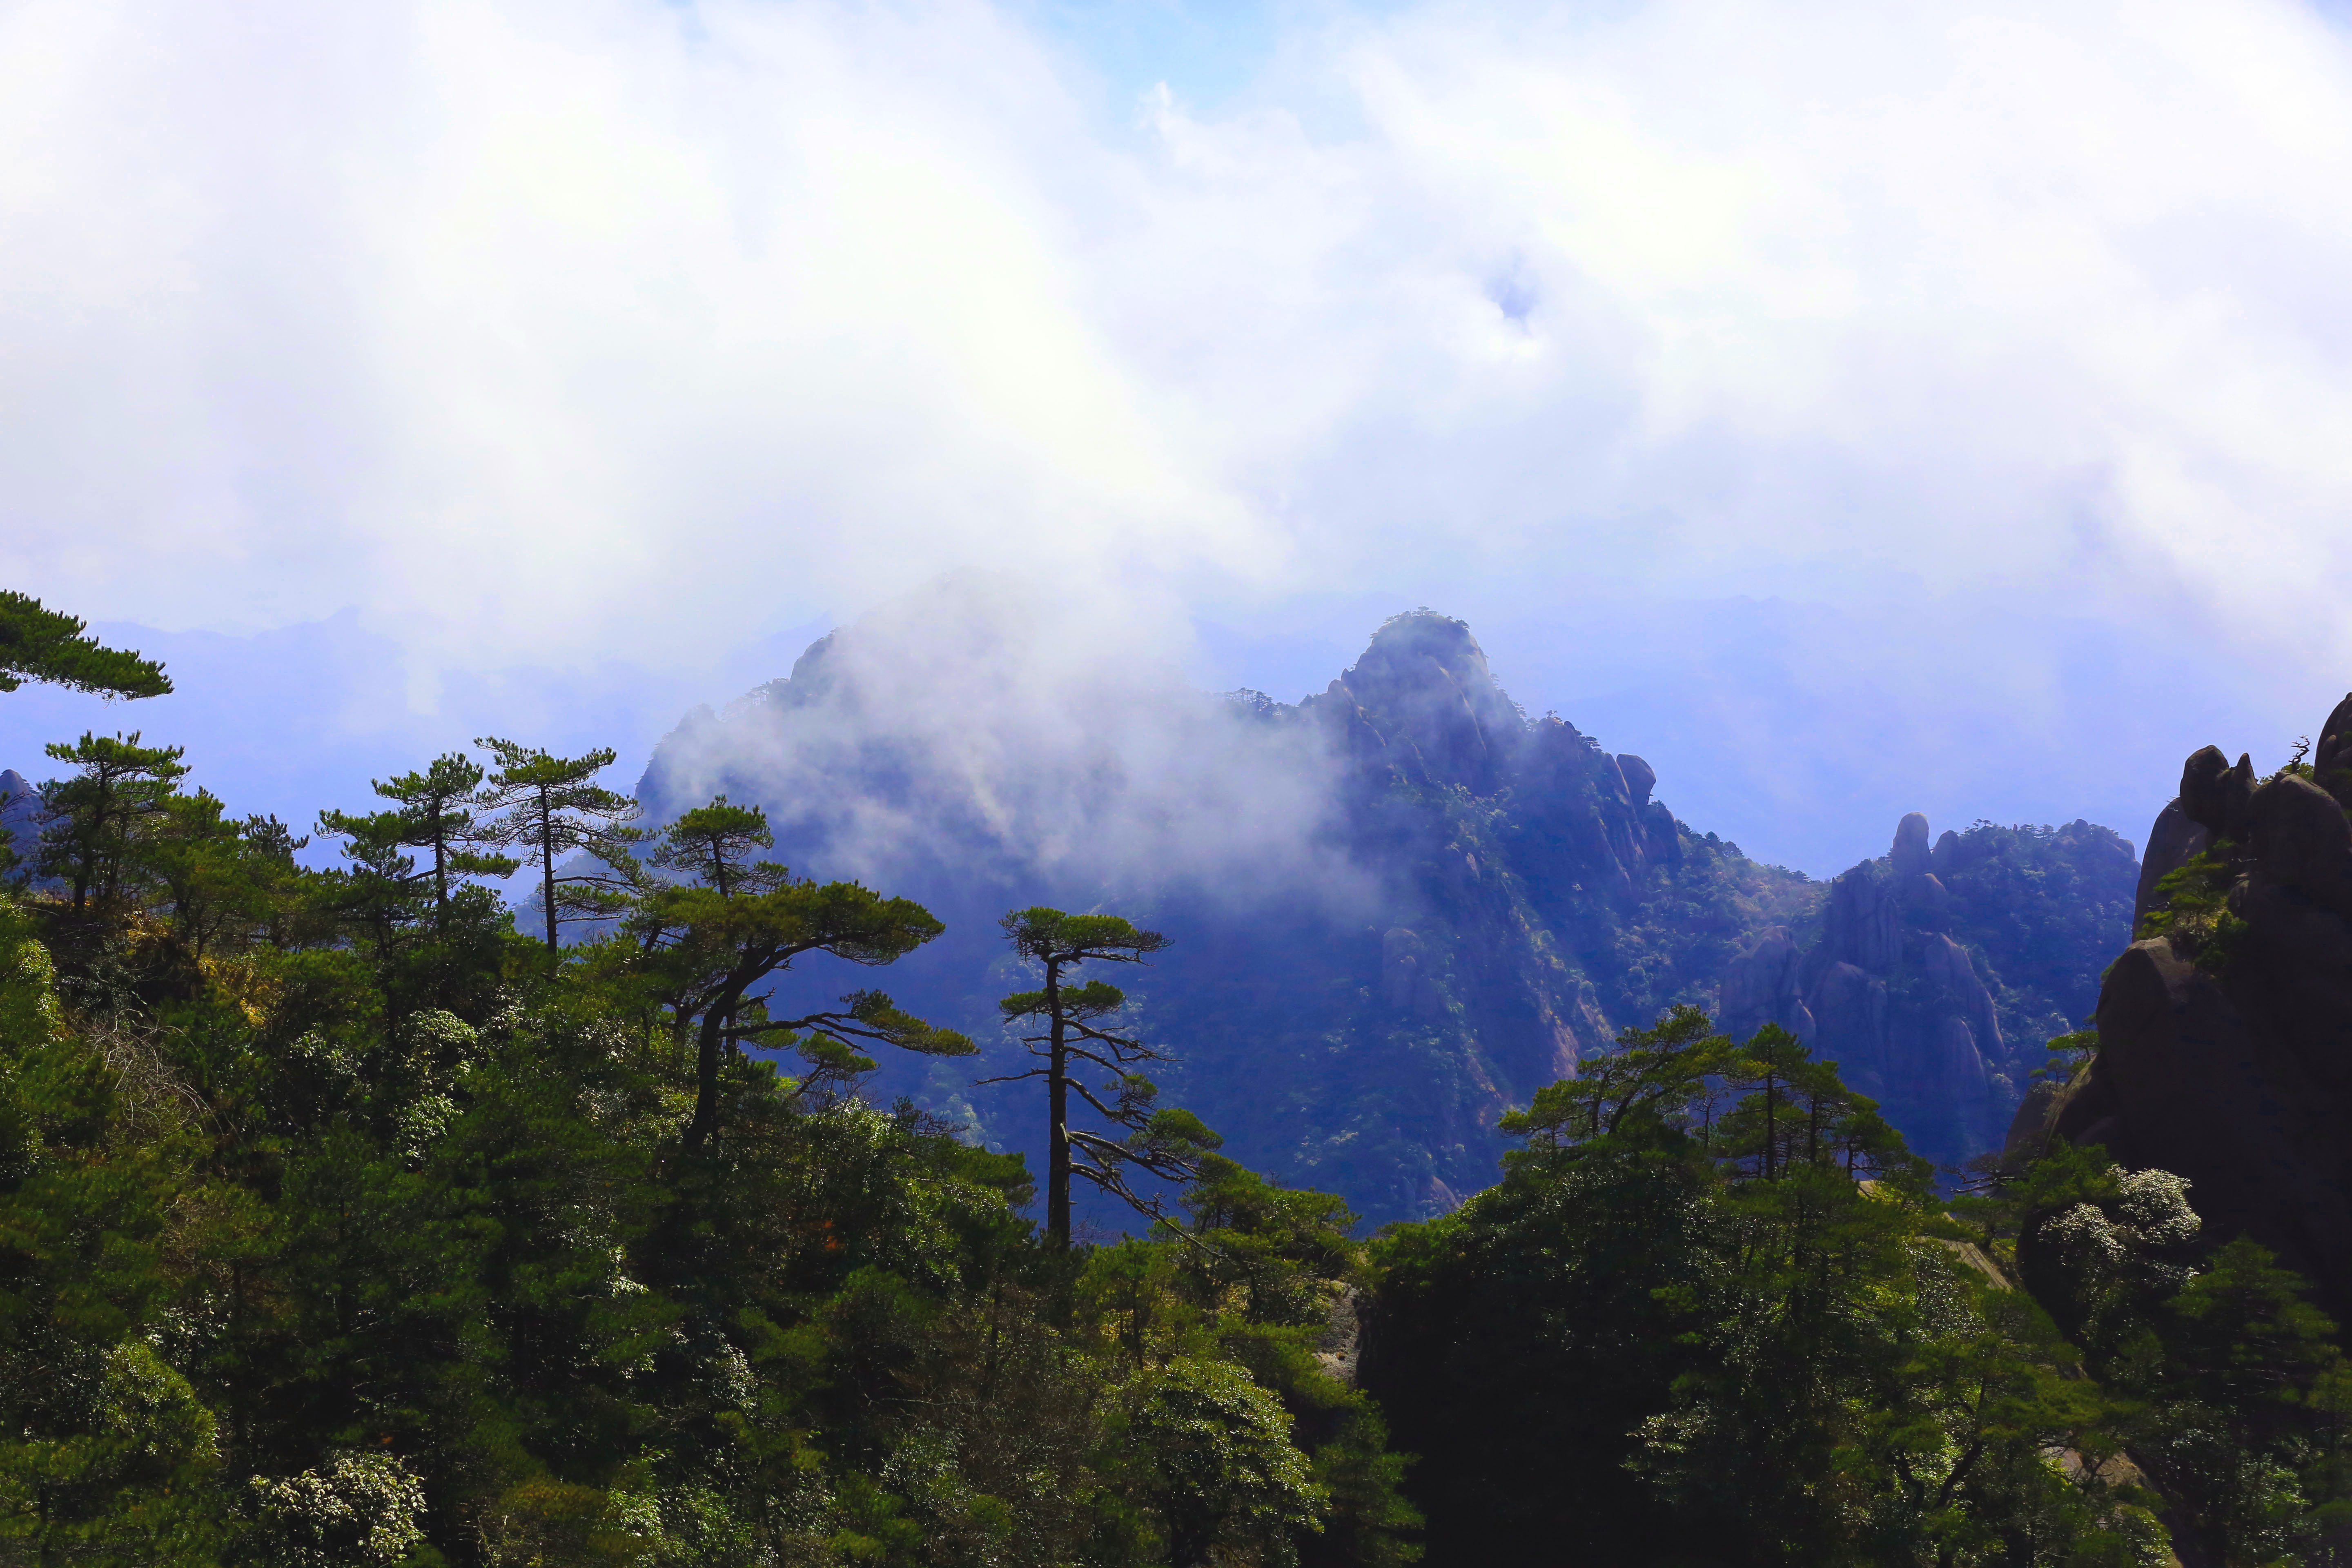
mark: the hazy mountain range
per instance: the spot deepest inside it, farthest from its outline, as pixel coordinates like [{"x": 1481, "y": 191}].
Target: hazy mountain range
[{"x": 1398, "y": 906}]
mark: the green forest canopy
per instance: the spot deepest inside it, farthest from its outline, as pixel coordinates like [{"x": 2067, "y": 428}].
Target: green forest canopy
[{"x": 338, "y": 1225}]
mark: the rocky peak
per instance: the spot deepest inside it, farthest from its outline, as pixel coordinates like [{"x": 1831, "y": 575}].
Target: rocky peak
[
  {"x": 1910, "y": 856},
  {"x": 1888, "y": 994},
  {"x": 2221, "y": 1033},
  {"x": 1640, "y": 777},
  {"x": 1423, "y": 686}
]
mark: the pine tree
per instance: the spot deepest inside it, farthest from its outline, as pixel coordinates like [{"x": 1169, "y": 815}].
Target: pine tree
[
  {"x": 38, "y": 644},
  {"x": 704, "y": 944},
  {"x": 551, "y": 807},
  {"x": 95, "y": 819},
  {"x": 1164, "y": 1143},
  {"x": 433, "y": 813}
]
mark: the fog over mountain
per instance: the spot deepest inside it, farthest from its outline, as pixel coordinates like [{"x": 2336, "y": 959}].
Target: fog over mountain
[
  {"x": 1399, "y": 906},
  {"x": 984, "y": 730},
  {"x": 1953, "y": 395}
]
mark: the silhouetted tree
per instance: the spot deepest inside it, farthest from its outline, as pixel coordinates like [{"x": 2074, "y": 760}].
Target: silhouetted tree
[{"x": 1165, "y": 1144}]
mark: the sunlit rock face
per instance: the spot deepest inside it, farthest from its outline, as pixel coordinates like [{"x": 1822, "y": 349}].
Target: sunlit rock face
[{"x": 2225, "y": 1035}]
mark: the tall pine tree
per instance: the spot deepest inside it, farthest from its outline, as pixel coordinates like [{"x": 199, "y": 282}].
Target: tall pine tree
[
  {"x": 550, "y": 806},
  {"x": 1074, "y": 1017}
]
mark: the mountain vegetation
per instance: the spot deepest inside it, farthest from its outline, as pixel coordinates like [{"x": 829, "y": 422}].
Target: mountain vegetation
[
  {"x": 347, "y": 1219},
  {"x": 336, "y": 1229}
]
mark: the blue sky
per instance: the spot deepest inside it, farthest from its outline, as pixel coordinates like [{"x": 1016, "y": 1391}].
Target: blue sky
[{"x": 1851, "y": 408}]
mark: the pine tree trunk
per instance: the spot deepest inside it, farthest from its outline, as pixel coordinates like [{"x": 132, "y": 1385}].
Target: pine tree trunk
[
  {"x": 712, "y": 1042},
  {"x": 1057, "y": 1147},
  {"x": 547, "y": 863}
]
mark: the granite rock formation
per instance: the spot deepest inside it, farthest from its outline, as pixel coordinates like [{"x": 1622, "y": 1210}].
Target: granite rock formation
[
  {"x": 1938, "y": 971},
  {"x": 2223, "y": 1032}
]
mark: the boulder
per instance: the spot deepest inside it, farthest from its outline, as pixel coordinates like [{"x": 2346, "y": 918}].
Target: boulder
[
  {"x": 2300, "y": 838},
  {"x": 2227, "y": 1062},
  {"x": 1640, "y": 777},
  {"x": 2201, "y": 788},
  {"x": 2237, "y": 795},
  {"x": 2331, "y": 761},
  {"x": 1910, "y": 855},
  {"x": 2173, "y": 840},
  {"x": 2190, "y": 1080}
]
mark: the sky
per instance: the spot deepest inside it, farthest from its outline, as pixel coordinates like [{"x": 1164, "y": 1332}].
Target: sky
[{"x": 1850, "y": 409}]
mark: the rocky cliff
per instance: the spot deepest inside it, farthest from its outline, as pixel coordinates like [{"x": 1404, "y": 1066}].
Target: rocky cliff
[
  {"x": 1939, "y": 971},
  {"x": 2225, "y": 1031}
]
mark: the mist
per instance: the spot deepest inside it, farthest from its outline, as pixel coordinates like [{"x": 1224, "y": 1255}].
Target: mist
[
  {"x": 580, "y": 363},
  {"x": 985, "y": 731}
]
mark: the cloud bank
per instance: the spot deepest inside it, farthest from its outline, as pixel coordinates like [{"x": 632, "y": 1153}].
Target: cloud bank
[
  {"x": 537, "y": 331},
  {"x": 983, "y": 743}
]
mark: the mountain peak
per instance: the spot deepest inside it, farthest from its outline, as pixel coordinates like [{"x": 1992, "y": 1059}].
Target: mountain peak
[{"x": 1423, "y": 684}]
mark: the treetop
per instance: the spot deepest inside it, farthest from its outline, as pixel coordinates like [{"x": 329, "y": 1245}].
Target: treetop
[
  {"x": 529, "y": 769},
  {"x": 1049, "y": 934}
]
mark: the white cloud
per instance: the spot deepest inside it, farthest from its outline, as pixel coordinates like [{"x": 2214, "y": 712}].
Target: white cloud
[{"x": 532, "y": 327}]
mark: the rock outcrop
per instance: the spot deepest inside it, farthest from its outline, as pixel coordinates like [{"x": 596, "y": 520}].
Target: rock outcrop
[
  {"x": 19, "y": 812},
  {"x": 1919, "y": 958},
  {"x": 2225, "y": 1032},
  {"x": 1900, "y": 1006}
]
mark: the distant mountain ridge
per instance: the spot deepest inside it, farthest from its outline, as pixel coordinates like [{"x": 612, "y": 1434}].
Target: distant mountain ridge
[
  {"x": 1936, "y": 976},
  {"x": 1399, "y": 906}
]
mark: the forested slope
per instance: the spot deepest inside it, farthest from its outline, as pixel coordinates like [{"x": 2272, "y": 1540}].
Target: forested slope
[{"x": 342, "y": 1224}]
